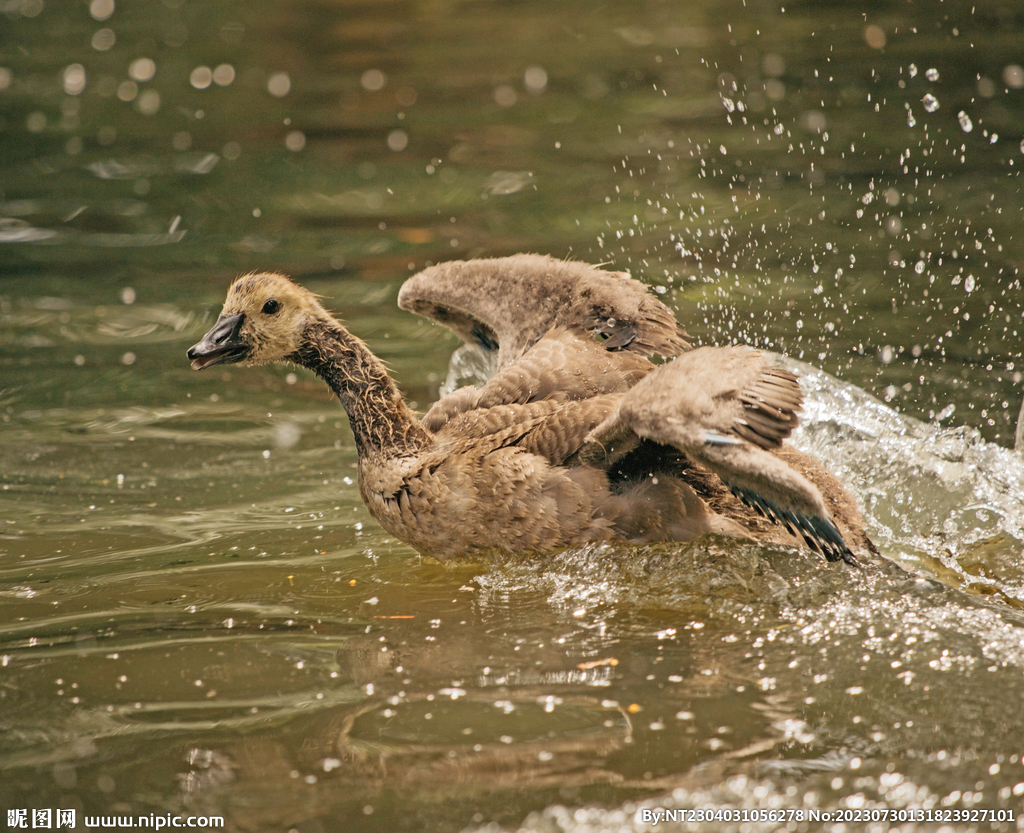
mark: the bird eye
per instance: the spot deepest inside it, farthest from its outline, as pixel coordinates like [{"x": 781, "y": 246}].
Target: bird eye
[{"x": 271, "y": 306}]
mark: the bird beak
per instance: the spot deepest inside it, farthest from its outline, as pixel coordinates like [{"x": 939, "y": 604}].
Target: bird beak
[{"x": 222, "y": 345}]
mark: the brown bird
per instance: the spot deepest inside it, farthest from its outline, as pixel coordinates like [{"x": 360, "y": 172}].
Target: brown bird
[{"x": 577, "y": 437}]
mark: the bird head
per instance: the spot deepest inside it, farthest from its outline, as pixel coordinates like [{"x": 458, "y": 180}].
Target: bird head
[{"x": 264, "y": 319}]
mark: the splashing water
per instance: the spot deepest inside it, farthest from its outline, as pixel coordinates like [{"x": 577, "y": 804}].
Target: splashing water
[{"x": 926, "y": 490}]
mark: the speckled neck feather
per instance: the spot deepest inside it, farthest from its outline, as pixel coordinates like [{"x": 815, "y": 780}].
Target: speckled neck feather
[{"x": 381, "y": 421}]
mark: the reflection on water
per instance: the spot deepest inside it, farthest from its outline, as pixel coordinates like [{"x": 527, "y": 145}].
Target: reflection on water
[{"x": 199, "y": 616}]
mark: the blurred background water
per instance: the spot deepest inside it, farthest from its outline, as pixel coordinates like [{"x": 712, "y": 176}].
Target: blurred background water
[{"x": 199, "y": 616}]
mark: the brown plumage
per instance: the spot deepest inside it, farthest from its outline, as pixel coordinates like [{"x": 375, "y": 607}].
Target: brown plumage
[
  {"x": 509, "y": 303},
  {"x": 578, "y": 436}
]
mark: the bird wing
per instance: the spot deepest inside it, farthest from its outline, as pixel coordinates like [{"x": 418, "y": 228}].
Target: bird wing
[
  {"x": 562, "y": 366},
  {"x": 506, "y": 305},
  {"x": 725, "y": 408},
  {"x": 553, "y": 430}
]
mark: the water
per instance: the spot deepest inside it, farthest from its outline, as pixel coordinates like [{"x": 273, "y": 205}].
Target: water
[{"x": 199, "y": 616}]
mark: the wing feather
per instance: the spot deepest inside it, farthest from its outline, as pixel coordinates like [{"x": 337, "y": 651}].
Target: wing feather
[
  {"x": 728, "y": 409},
  {"x": 508, "y": 304},
  {"x": 561, "y": 367}
]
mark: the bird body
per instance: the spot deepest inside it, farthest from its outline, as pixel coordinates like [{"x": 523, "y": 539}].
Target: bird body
[{"x": 578, "y": 436}]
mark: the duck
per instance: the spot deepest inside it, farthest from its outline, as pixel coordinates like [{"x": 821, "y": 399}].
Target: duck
[{"x": 601, "y": 423}]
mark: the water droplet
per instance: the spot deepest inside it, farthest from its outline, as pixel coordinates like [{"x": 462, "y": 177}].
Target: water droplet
[
  {"x": 127, "y": 91},
  {"x": 911, "y": 121},
  {"x": 505, "y": 96},
  {"x": 223, "y": 75},
  {"x": 931, "y": 74},
  {"x": 142, "y": 69},
  {"x": 965, "y": 122},
  {"x": 287, "y": 435},
  {"x": 969, "y": 283},
  {"x": 1013, "y": 75},
  {"x": 101, "y": 9},
  {"x": 930, "y": 102},
  {"x": 278, "y": 85},
  {"x": 874, "y": 36},
  {"x": 373, "y": 80},
  {"x": 398, "y": 140},
  {"x": 201, "y": 78},
  {"x": 912, "y": 69},
  {"x": 74, "y": 79},
  {"x": 535, "y": 79},
  {"x": 103, "y": 40},
  {"x": 148, "y": 103}
]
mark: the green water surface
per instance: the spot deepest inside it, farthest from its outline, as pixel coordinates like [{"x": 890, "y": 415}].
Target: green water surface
[{"x": 198, "y": 615}]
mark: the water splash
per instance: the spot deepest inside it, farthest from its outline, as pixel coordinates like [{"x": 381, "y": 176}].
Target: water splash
[
  {"x": 469, "y": 365},
  {"x": 925, "y": 489}
]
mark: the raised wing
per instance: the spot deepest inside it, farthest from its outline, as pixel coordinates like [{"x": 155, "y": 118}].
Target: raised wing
[
  {"x": 726, "y": 408},
  {"x": 508, "y": 304}
]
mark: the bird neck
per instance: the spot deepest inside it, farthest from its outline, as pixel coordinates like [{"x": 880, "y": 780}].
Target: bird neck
[{"x": 381, "y": 421}]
